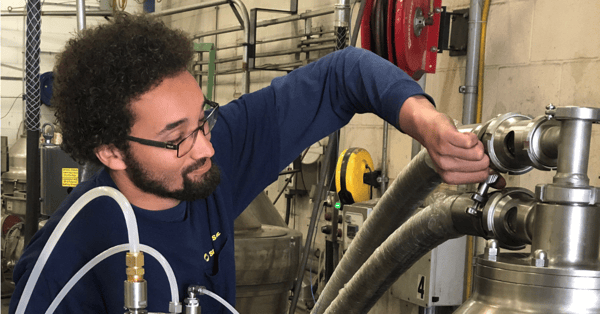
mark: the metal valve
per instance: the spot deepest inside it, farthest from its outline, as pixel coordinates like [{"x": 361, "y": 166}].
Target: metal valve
[{"x": 481, "y": 195}]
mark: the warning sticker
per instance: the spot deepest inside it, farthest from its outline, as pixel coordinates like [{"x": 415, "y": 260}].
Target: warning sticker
[{"x": 70, "y": 177}]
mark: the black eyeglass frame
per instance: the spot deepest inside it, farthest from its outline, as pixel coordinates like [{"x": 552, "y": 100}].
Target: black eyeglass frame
[{"x": 211, "y": 119}]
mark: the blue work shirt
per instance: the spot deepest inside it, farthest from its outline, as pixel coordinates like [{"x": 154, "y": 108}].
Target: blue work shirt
[{"x": 255, "y": 137}]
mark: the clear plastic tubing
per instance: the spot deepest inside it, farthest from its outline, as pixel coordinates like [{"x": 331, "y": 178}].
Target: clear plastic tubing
[
  {"x": 132, "y": 231},
  {"x": 218, "y": 298},
  {"x": 100, "y": 257}
]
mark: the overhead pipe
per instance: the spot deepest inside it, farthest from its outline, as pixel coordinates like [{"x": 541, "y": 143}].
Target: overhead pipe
[
  {"x": 242, "y": 13},
  {"x": 273, "y": 53},
  {"x": 265, "y": 23},
  {"x": 59, "y": 13},
  {"x": 399, "y": 203},
  {"x": 80, "y": 15},
  {"x": 248, "y": 54},
  {"x": 420, "y": 234},
  {"x": 196, "y": 6}
]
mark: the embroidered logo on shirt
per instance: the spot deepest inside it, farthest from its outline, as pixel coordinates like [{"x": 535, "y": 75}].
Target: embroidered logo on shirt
[{"x": 208, "y": 255}]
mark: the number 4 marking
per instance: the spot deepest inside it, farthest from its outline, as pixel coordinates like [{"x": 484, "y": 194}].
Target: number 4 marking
[{"x": 421, "y": 288}]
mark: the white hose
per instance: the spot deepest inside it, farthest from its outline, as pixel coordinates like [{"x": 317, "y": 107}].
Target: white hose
[
  {"x": 100, "y": 257},
  {"x": 218, "y": 298},
  {"x": 132, "y": 231}
]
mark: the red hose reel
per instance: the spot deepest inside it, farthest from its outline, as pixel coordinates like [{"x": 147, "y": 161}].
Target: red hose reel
[{"x": 405, "y": 32}]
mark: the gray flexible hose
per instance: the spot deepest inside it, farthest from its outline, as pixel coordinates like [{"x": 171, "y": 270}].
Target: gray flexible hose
[
  {"x": 398, "y": 204},
  {"x": 421, "y": 233}
]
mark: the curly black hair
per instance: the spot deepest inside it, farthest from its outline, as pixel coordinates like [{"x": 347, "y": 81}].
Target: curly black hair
[{"x": 102, "y": 70}]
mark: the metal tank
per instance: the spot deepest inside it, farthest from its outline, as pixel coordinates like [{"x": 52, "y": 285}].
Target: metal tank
[
  {"x": 16, "y": 177},
  {"x": 560, "y": 220},
  {"x": 267, "y": 254}
]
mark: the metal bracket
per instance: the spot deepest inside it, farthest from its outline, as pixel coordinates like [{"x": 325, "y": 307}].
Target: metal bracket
[
  {"x": 212, "y": 54},
  {"x": 459, "y": 29}
]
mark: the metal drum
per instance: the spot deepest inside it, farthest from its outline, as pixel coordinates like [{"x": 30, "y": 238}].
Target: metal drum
[
  {"x": 267, "y": 254},
  {"x": 512, "y": 285}
]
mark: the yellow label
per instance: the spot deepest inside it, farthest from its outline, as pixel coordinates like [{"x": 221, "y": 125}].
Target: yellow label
[{"x": 70, "y": 177}]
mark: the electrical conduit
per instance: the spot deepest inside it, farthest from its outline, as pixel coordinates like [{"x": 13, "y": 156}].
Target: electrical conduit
[{"x": 398, "y": 204}]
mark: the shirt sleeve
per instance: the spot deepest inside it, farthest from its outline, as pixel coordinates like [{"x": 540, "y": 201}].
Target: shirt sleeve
[{"x": 264, "y": 131}]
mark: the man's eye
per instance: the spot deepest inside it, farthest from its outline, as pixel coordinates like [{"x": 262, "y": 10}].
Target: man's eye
[{"x": 176, "y": 140}]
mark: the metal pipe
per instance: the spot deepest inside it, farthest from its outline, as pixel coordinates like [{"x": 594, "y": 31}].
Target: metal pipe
[
  {"x": 242, "y": 12},
  {"x": 569, "y": 235},
  {"x": 469, "y": 115},
  {"x": 384, "y": 155},
  {"x": 470, "y": 89},
  {"x": 246, "y": 51},
  {"x": 322, "y": 185},
  {"x": 291, "y": 18},
  {"x": 265, "y": 23},
  {"x": 80, "y": 15},
  {"x": 317, "y": 40},
  {"x": 218, "y": 32},
  {"x": 236, "y": 28},
  {"x": 549, "y": 141},
  {"x": 573, "y": 153},
  {"x": 59, "y": 13},
  {"x": 272, "y": 53},
  {"x": 399, "y": 203},
  {"x": 192, "y": 7},
  {"x": 421, "y": 233}
]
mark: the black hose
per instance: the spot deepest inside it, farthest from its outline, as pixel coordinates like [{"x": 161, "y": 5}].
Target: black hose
[{"x": 32, "y": 110}]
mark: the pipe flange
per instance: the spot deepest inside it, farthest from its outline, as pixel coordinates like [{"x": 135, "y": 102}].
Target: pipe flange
[
  {"x": 550, "y": 193},
  {"x": 530, "y": 147},
  {"x": 577, "y": 113},
  {"x": 496, "y": 221},
  {"x": 495, "y": 140}
]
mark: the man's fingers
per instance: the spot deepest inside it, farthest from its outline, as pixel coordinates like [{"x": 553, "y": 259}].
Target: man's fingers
[
  {"x": 448, "y": 163},
  {"x": 452, "y": 177},
  {"x": 461, "y": 140}
]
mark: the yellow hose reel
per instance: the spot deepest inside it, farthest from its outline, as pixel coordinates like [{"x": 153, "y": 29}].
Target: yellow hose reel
[{"x": 350, "y": 172}]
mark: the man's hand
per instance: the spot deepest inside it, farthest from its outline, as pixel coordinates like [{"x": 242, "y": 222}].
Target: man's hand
[{"x": 459, "y": 157}]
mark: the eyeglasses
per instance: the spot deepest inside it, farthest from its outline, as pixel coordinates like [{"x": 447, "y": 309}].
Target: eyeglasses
[{"x": 187, "y": 143}]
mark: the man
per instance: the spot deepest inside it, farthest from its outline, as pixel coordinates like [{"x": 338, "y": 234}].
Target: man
[{"x": 124, "y": 99}]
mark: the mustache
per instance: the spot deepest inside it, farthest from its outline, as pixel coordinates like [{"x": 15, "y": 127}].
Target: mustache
[{"x": 195, "y": 166}]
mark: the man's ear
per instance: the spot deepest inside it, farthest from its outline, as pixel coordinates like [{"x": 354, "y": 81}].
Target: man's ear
[{"x": 111, "y": 157}]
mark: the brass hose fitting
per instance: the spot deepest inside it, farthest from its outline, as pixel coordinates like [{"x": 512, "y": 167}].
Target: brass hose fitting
[{"x": 135, "y": 266}]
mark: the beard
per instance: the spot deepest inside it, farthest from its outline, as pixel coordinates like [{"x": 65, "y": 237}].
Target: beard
[{"x": 157, "y": 184}]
